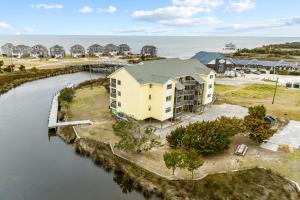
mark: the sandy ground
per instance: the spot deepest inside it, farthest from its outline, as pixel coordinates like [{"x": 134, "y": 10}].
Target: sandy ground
[
  {"x": 93, "y": 105},
  {"x": 258, "y": 79}
]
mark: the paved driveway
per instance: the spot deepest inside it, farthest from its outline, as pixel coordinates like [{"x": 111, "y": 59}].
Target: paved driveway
[
  {"x": 290, "y": 135},
  {"x": 212, "y": 113}
]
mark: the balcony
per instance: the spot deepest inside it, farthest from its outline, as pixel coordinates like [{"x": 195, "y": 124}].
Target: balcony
[
  {"x": 199, "y": 87},
  {"x": 179, "y": 104},
  {"x": 188, "y": 102},
  {"x": 188, "y": 92},
  {"x": 179, "y": 114},
  {"x": 113, "y": 95},
  {"x": 189, "y": 82},
  {"x": 113, "y": 105},
  {"x": 113, "y": 85}
]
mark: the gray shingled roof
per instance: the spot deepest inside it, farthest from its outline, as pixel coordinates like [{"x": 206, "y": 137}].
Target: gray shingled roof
[
  {"x": 161, "y": 71},
  {"x": 263, "y": 63}
]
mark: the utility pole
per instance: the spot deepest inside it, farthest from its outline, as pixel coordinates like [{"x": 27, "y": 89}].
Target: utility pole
[
  {"x": 91, "y": 77},
  {"x": 275, "y": 91}
]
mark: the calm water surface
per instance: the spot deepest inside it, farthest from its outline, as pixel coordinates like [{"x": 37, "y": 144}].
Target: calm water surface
[
  {"x": 169, "y": 46},
  {"x": 34, "y": 168}
]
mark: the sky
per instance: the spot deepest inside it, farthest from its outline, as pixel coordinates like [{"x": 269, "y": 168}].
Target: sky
[{"x": 151, "y": 17}]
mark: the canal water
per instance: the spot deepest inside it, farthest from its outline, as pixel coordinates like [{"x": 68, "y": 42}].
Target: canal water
[{"x": 32, "y": 167}]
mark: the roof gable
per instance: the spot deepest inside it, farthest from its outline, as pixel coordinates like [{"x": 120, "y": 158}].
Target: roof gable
[{"x": 163, "y": 70}]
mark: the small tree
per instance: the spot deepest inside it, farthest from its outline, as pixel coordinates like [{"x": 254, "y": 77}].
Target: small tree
[
  {"x": 192, "y": 161},
  {"x": 256, "y": 126},
  {"x": 173, "y": 160},
  {"x": 257, "y": 111},
  {"x": 258, "y": 129},
  {"x": 134, "y": 137}
]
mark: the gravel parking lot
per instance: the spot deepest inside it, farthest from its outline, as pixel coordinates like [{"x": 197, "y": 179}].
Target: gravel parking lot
[
  {"x": 212, "y": 113},
  {"x": 289, "y": 135},
  {"x": 257, "y": 79}
]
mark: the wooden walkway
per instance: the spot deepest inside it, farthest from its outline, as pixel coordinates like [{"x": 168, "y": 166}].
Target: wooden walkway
[{"x": 53, "y": 116}]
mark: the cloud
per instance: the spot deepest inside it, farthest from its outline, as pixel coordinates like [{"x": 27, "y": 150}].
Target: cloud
[
  {"x": 110, "y": 9},
  {"x": 6, "y": 26},
  {"x": 143, "y": 30},
  {"x": 47, "y": 6},
  {"x": 165, "y": 13},
  {"x": 86, "y": 9},
  {"x": 191, "y": 21},
  {"x": 28, "y": 30},
  {"x": 181, "y": 13},
  {"x": 275, "y": 23},
  {"x": 208, "y": 5},
  {"x": 240, "y": 5}
]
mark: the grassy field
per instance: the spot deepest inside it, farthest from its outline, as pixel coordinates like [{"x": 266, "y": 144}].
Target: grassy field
[
  {"x": 287, "y": 101},
  {"x": 93, "y": 104}
]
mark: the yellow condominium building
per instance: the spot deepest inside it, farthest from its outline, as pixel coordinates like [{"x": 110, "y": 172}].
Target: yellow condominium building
[{"x": 162, "y": 89}]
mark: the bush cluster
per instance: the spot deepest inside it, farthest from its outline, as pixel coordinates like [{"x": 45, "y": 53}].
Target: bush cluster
[
  {"x": 209, "y": 137},
  {"x": 206, "y": 137}
]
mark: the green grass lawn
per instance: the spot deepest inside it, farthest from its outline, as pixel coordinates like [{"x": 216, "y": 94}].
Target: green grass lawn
[{"x": 286, "y": 104}]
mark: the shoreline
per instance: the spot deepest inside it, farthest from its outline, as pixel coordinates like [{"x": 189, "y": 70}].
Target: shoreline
[
  {"x": 147, "y": 182},
  {"x": 33, "y": 76}
]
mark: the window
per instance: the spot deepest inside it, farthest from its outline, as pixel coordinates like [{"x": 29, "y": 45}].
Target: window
[
  {"x": 119, "y": 104},
  {"x": 169, "y": 86},
  {"x": 168, "y": 109},
  {"x": 209, "y": 86},
  {"x": 150, "y": 86},
  {"x": 149, "y": 96},
  {"x": 119, "y": 93},
  {"x": 209, "y": 95},
  {"x": 119, "y": 82},
  {"x": 211, "y": 76},
  {"x": 168, "y": 98},
  {"x": 149, "y": 108}
]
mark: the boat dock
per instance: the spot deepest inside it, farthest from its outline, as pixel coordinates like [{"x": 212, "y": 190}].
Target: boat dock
[{"x": 53, "y": 116}]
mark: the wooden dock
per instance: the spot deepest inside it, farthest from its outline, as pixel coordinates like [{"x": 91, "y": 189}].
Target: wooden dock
[{"x": 53, "y": 116}]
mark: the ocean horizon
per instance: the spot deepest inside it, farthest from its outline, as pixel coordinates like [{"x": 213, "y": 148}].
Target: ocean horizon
[{"x": 168, "y": 46}]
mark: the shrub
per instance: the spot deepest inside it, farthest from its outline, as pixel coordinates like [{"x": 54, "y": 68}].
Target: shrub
[
  {"x": 22, "y": 68},
  {"x": 207, "y": 137},
  {"x": 258, "y": 129},
  {"x": 9, "y": 68},
  {"x": 257, "y": 111},
  {"x": 66, "y": 95},
  {"x": 175, "y": 138},
  {"x": 294, "y": 73}
]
